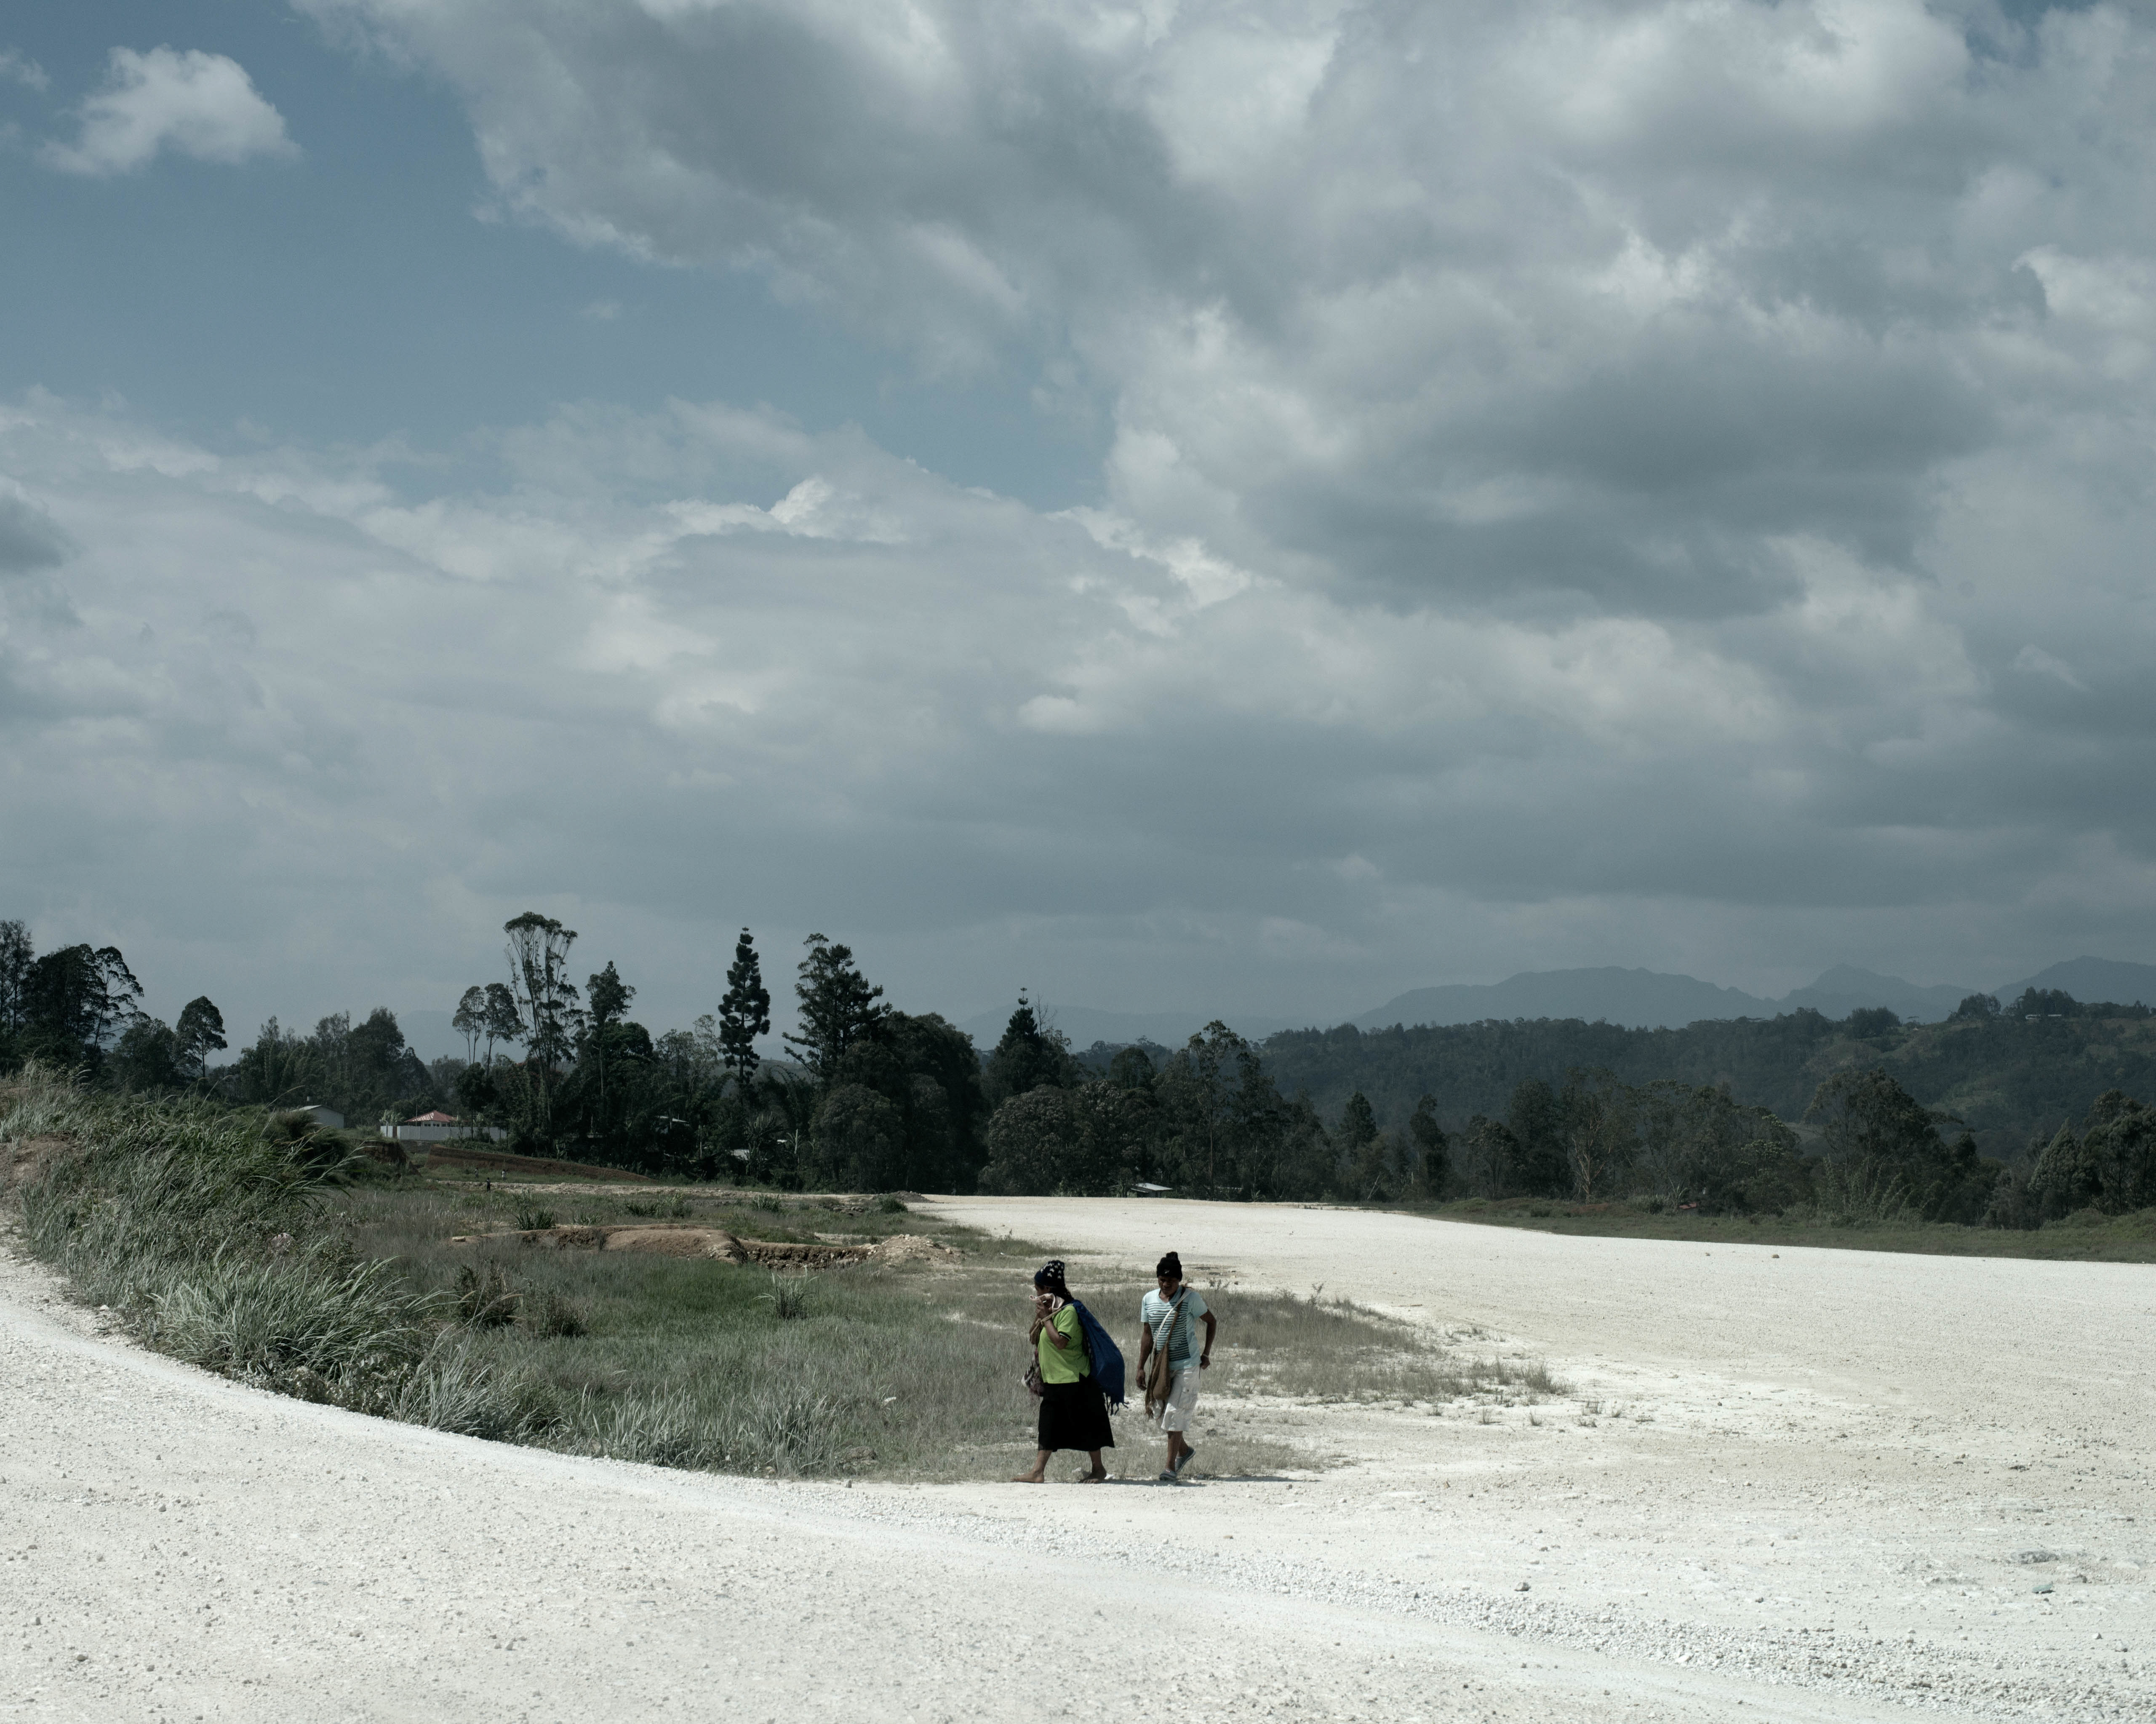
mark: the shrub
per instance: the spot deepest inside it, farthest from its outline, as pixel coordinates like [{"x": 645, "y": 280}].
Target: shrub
[
  {"x": 485, "y": 1300},
  {"x": 551, "y": 1316}
]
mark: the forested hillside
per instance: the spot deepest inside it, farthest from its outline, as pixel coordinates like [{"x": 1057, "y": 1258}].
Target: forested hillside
[
  {"x": 2006, "y": 1075},
  {"x": 1862, "y": 1117}
]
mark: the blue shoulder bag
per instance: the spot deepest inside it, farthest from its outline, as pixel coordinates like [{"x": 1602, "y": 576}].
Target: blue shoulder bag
[{"x": 1106, "y": 1357}]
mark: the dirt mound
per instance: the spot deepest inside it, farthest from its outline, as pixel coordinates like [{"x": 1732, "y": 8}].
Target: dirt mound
[
  {"x": 675, "y": 1242},
  {"x": 693, "y": 1239},
  {"x": 912, "y": 1249},
  {"x": 774, "y": 1255},
  {"x": 686, "y": 1239},
  {"x": 652, "y": 1238}
]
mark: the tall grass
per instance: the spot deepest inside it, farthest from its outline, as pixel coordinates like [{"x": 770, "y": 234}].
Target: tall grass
[
  {"x": 220, "y": 1241},
  {"x": 206, "y": 1232},
  {"x": 705, "y": 1363},
  {"x": 227, "y": 1240},
  {"x": 1846, "y": 1195}
]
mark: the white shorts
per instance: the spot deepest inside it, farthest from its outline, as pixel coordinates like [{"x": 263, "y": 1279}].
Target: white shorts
[{"x": 1174, "y": 1414}]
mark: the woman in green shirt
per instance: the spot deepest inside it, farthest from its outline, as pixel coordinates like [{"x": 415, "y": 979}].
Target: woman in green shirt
[{"x": 1073, "y": 1414}]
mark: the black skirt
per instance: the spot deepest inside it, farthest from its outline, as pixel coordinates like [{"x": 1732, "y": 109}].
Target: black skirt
[{"x": 1075, "y": 1415}]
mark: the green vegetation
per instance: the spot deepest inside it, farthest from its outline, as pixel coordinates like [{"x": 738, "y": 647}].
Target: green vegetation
[
  {"x": 251, "y": 1244},
  {"x": 2009, "y": 1119},
  {"x": 2005, "y": 1076}
]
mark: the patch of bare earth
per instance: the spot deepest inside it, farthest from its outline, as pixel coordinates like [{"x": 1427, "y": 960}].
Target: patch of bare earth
[{"x": 689, "y": 1239}]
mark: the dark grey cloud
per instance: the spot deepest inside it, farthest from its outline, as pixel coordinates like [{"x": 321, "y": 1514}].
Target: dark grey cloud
[{"x": 29, "y": 538}]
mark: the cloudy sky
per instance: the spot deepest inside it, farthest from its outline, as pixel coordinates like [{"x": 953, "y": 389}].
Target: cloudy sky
[{"x": 1240, "y": 507}]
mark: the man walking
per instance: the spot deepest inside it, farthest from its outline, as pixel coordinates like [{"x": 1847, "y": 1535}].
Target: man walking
[{"x": 1170, "y": 1316}]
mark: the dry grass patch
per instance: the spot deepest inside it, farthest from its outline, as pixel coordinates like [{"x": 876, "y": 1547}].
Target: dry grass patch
[{"x": 220, "y": 1240}]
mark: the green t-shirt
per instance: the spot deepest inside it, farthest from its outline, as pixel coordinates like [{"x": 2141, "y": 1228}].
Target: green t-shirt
[{"x": 1064, "y": 1364}]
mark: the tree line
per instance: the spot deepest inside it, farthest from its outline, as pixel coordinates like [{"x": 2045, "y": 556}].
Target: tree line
[
  {"x": 79, "y": 1007},
  {"x": 2005, "y": 1074},
  {"x": 1741, "y": 1115},
  {"x": 1867, "y": 1150},
  {"x": 869, "y": 1097}
]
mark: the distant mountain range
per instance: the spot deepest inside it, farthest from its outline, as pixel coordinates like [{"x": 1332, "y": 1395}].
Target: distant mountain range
[
  {"x": 1648, "y": 999},
  {"x": 2110, "y": 979}
]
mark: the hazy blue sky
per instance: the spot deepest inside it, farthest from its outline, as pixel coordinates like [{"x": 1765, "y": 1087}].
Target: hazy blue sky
[{"x": 1243, "y": 507}]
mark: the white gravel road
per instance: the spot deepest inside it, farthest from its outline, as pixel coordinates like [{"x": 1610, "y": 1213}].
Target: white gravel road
[{"x": 1820, "y": 1486}]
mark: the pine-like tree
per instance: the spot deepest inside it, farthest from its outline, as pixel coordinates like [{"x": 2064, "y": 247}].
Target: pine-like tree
[
  {"x": 1358, "y": 1123},
  {"x": 838, "y": 1008},
  {"x": 17, "y": 955},
  {"x": 1027, "y": 1058},
  {"x": 608, "y": 996},
  {"x": 1433, "y": 1151},
  {"x": 745, "y": 1012}
]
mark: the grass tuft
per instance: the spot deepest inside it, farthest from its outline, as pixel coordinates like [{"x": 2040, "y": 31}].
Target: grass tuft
[
  {"x": 484, "y": 1300},
  {"x": 555, "y": 1318},
  {"x": 456, "y": 1389}
]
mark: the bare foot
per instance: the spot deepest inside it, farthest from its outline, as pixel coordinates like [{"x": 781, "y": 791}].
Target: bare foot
[
  {"x": 1091, "y": 1477},
  {"x": 1028, "y": 1478}
]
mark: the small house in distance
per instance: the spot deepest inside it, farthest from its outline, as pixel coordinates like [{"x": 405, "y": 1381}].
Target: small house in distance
[
  {"x": 1144, "y": 1189},
  {"x": 437, "y": 1127},
  {"x": 322, "y": 1115}
]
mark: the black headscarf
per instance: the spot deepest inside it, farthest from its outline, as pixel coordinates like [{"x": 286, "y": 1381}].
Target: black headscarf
[{"x": 1049, "y": 1276}]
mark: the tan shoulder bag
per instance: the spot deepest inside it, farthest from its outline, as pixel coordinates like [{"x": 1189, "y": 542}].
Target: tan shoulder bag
[{"x": 1159, "y": 1379}]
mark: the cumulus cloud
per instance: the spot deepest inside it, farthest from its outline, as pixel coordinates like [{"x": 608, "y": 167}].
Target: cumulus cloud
[
  {"x": 1585, "y": 303},
  {"x": 191, "y": 103},
  {"x": 16, "y": 69},
  {"x": 685, "y": 668},
  {"x": 1642, "y": 482}
]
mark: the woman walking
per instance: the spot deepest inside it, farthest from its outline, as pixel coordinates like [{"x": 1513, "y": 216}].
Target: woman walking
[{"x": 1072, "y": 1414}]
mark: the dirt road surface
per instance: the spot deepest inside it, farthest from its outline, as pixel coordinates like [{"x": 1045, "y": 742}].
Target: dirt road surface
[{"x": 1820, "y": 1486}]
